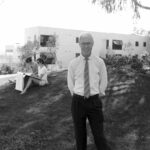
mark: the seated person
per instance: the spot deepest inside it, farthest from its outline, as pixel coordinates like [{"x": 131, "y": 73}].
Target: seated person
[
  {"x": 33, "y": 67},
  {"x": 29, "y": 67},
  {"x": 41, "y": 79}
]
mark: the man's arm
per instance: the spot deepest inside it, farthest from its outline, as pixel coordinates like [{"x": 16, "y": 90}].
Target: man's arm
[
  {"x": 103, "y": 79},
  {"x": 70, "y": 79}
]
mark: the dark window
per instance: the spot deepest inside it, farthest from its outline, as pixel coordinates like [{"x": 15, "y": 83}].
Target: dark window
[
  {"x": 77, "y": 40},
  {"x": 47, "y": 40},
  {"x": 144, "y": 44},
  {"x": 107, "y": 44},
  {"x": 136, "y": 43},
  {"x": 77, "y": 54},
  {"x": 48, "y": 58},
  {"x": 117, "y": 44}
]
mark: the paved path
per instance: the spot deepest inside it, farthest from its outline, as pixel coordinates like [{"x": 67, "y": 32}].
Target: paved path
[{"x": 4, "y": 78}]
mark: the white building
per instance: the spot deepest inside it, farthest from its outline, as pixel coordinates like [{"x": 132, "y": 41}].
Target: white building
[
  {"x": 11, "y": 54},
  {"x": 104, "y": 43},
  {"x": 10, "y": 57}
]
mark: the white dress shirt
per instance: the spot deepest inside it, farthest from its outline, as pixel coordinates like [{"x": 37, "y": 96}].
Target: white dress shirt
[{"x": 97, "y": 75}]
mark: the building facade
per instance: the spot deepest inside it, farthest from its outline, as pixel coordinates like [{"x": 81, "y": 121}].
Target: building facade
[
  {"x": 66, "y": 42},
  {"x": 10, "y": 57}
]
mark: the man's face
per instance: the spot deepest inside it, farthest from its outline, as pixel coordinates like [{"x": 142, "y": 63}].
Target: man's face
[{"x": 86, "y": 44}]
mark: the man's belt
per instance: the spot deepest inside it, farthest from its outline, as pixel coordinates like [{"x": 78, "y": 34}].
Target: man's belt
[{"x": 91, "y": 97}]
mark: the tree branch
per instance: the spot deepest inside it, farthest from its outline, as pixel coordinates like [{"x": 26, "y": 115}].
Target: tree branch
[
  {"x": 1, "y": 2},
  {"x": 140, "y": 5}
]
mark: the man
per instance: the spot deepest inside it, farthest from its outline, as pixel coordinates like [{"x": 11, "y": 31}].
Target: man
[{"x": 87, "y": 81}]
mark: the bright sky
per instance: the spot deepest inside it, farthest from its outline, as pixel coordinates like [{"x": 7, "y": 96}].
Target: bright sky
[{"x": 16, "y": 15}]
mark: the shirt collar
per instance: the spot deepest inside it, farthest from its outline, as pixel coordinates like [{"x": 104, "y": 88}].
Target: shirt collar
[{"x": 89, "y": 58}]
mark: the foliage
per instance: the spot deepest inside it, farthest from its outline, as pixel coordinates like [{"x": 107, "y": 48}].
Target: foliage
[
  {"x": 26, "y": 50},
  {"x": 29, "y": 49},
  {"x": 116, "y": 60},
  {"x": 120, "y": 61},
  {"x": 49, "y": 58},
  {"x": 115, "y": 5},
  {"x": 136, "y": 64},
  {"x": 5, "y": 69}
]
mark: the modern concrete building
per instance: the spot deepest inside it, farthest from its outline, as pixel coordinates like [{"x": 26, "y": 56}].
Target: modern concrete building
[
  {"x": 11, "y": 54},
  {"x": 66, "y": 41},
  {"x": 10, "y": 57}
]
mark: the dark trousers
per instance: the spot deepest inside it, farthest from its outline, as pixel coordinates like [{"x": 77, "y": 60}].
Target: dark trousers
[{"x": 90, "y": 109}]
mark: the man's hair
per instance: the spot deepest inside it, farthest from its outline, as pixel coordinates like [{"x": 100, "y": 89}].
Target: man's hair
[
  {"x": 29, "y": 60},
  {"x": 40, "y": 60},
  {"x": 88, "y": 34}
]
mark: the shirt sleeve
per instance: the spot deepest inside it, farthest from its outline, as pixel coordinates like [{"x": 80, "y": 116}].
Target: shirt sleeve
[
  {"x": 43, "y": 72},
  {"x": 103, "y": 79},
  {"x": 70, "y": 79}
]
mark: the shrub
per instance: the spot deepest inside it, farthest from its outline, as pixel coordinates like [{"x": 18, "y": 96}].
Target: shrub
[
  {"x": 5, "y": 69},
  {"x": 136, "y": 63},
  {"x": 116, "y": 61}
]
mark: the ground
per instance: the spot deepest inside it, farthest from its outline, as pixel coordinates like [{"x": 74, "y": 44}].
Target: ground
[{"x": 41, "y": 119}]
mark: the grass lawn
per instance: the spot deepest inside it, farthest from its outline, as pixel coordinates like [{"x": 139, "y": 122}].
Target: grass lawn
[{"x": 41, "y": 119}]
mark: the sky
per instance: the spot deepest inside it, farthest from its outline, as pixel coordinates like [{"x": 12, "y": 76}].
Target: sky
[{"x": 16, "y": 15}]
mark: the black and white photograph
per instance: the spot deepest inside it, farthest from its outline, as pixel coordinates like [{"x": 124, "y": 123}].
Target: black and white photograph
[{"x": 74, "y": 75}]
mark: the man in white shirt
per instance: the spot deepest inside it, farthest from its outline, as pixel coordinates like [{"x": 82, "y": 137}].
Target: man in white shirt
[{"x": 87, "y": 81}]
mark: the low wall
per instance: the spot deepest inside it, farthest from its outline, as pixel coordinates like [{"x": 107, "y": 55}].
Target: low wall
[{"x": 5, "y": 78}]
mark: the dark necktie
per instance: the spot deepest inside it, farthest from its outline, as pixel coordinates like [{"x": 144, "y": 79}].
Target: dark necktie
[{"x": 86, "y": 79}]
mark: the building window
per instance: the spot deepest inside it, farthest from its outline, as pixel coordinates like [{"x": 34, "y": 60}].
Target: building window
[
  {"x": 77, "y": 54},
  {"x": 144, "y": 44},
  {"x": 47, "y": 41},
  {"x": 117, "y": 44},
  {"x": 136, "y": 43},
  {"x": 107, "y": 44},
  {"x": 77, "y": 40}
]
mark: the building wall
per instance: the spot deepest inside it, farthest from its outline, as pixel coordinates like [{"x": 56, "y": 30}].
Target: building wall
[
  {"x": 67, "y": 46},
  {"x": 11, "y": 54},
  {"x": 8, "y": 60},
  {"x": 148, "y": 44},
  {"x": 66, "y": 41},
  {"x": 3, "y": 59},
  {"x": 10, "y": 57}
]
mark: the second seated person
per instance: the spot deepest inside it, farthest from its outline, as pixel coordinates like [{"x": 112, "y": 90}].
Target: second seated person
[
  {"x": 32, "y": 66},
  {"x": 41, "y": 79}
]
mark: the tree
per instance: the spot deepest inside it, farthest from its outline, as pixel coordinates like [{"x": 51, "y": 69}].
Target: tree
[
  {"x": 26, "y": 50},
  {"x": 118, "y": 5},
  {"x": 29, "y": 49}
]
